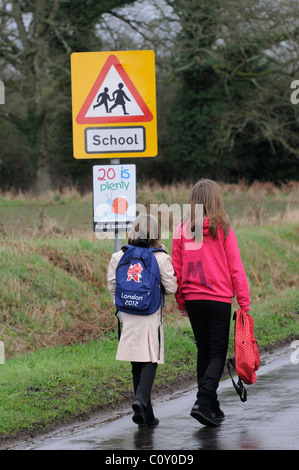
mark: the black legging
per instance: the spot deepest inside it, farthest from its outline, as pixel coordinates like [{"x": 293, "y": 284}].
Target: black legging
[
  {"x": 210, "y": 321},
  {"x": 143, "y": 378}
]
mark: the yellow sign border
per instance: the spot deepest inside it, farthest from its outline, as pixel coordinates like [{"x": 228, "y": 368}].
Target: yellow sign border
[{"x": 140, "y": 67}]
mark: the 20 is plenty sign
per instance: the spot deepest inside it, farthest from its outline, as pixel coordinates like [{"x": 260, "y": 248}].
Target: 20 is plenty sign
[
  {"x": 114, "y": 197},
  {"x": 114, "y": 104}
]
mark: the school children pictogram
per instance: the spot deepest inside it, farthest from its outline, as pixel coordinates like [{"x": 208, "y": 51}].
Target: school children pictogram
[
  {"x": 103, "y": 98},
  {"x": 119, "y": 98},
  {"x": 113, "y": 98}
]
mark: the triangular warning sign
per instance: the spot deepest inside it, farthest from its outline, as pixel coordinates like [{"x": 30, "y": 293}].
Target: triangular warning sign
[{"x": 113, "y": 98}]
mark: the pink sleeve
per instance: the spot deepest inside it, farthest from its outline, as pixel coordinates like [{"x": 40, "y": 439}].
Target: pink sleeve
[
  {"x": 177, "y": 265},
  {"x": 237, "y": 271}
]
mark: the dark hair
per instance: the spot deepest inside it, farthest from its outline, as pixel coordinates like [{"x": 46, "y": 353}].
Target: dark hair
[{"x": 145, "y": 231}]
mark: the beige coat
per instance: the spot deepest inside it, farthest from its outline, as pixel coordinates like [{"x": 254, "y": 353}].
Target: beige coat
[{"x": 139, "y": 338}]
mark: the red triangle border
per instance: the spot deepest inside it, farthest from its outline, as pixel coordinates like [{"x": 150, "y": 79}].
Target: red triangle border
[{"x": 81, "y": 117}]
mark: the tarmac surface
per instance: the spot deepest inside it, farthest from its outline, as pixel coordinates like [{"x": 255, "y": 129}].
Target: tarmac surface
[{"x": 268, "y": 420}]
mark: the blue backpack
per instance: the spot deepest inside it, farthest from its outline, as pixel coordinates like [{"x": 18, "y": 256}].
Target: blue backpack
[{"x": 138, "y": 285}]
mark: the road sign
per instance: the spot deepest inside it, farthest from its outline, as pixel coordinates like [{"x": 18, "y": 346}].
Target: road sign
[
  {"x": 114, "y": 197},
  {"x": 114, "y": 104}
]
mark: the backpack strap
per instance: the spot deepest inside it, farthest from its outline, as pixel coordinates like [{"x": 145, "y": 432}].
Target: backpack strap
[
  {"x": 162, "y": 287},
  {"x": 118, "y": 325},
  {"x": 157, "y": 249},
  {"x": 239, "y": 387}
]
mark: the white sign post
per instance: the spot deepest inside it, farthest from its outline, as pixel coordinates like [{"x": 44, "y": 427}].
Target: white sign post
[{"x": 114, "y": 198}]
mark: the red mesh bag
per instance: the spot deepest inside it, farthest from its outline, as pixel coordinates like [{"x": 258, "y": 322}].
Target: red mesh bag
[{"x": 247, "y": 356}]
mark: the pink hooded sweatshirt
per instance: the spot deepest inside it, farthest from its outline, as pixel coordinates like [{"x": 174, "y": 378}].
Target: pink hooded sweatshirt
[{"x": 212, "y": 271}]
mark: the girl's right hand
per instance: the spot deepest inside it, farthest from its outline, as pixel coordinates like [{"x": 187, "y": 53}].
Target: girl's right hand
[{"x": 183, "y": 313}]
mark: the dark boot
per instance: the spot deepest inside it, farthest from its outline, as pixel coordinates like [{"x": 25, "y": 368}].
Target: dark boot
[
  {"x": 217, "y": 411},
  {"x": 202, "y": 411},
  {"x": 143, "y": 379},
  {"x": 150, "y": 419},
  {"x": 139, "y": 416},
  {"x": 143, "y": 416}
]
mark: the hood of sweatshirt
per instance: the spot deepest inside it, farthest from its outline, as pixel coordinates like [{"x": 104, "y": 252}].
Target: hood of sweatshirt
[{"x": 205, "y": 227}]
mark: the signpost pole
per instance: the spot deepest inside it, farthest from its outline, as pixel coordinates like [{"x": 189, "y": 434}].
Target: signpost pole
[{"x": 118, "y": 238}]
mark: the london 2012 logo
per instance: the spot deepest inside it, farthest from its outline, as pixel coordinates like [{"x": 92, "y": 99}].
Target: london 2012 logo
[{"x": 134, "y": 272}]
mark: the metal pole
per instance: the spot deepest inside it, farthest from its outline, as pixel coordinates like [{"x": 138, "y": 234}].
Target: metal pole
[
  {"x": 118, "y": 235},
  {"x": 118, "y": 241}
]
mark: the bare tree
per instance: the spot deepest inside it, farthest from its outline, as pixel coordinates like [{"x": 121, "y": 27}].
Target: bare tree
[
  {"x": 25, "y": 50},
  {"x": 36, "y": 40},
  {"x": 271, "y": 30}
]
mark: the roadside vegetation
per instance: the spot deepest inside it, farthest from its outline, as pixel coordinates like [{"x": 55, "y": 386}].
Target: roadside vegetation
[{"x": 57, "y": 318}]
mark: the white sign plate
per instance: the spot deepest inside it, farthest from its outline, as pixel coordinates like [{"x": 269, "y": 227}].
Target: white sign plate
[
  {"x": 114, "y": 197},
  {"x": 114, "y": 139}
]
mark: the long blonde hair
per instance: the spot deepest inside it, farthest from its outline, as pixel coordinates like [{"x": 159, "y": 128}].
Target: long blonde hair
[{"x": 208, "y": 193}]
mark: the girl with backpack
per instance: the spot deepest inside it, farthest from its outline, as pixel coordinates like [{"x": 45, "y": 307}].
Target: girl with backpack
[
  {"x": 209, "y": 274},
  {"x": 142, "y": 338}
]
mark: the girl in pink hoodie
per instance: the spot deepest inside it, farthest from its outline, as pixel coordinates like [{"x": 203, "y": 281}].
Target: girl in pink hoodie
[{"x": 209, "y": 273}]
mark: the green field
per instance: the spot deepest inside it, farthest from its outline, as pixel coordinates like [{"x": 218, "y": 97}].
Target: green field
[{"x": 57, "y": 318}]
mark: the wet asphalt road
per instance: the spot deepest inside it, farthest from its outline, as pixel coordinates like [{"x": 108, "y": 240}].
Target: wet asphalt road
[{"x": 269, "y": 420}]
